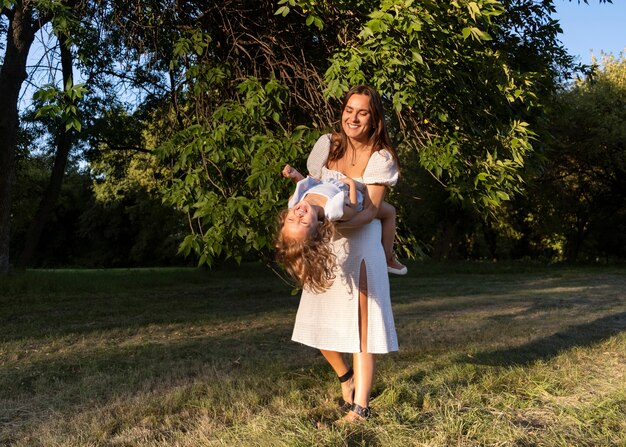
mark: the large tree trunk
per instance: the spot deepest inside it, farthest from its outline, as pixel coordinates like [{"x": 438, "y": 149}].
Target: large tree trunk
[
  {"x": 20, "y": 36},
  {"x": 64, "y": 144}
]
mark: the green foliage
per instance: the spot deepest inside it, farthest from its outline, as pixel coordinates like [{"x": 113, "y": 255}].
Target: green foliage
[
  {"x": 65, "y": 17},
  {"x": 134, "y": 230},
  {"x": 190, "y": 43},
  {"x": 455, "y": 98},
  {"x": 579, "y": 197},
  {"x": 226, "y": 172},
  {"x": 61, "y": 106},
  {"x": 460, "y": 105},
  {"x": 308, "y": 7},
  {"x": 462, "y": 91},
  {"x": 126, "y": 223},
  {"x": 60, "y": 244},
  {"x": 223, "y": 88},
  {"x": 110, "y": 215}
]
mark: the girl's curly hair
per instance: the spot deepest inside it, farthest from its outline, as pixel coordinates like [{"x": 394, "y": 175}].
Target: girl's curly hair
[{"x": 309, "y": 261}]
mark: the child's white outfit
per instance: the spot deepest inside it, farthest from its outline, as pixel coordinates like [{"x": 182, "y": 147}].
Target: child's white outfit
[{"x": 336, "y": 191}]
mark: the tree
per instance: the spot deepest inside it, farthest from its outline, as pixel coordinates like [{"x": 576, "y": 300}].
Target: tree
[
  {"x": 61, "y": 243},
  {"x": 75, "y": 29},
  {"x": 244, "y": 80},
  {"x": 63, "y": 141},
  {"x": 23, "y": 21},
  {"x": 459, "y": 99},
  {"x": 224, "y": 89},
  {"x": 126, "y": 223},
  {"x": 580, "y": 195}
]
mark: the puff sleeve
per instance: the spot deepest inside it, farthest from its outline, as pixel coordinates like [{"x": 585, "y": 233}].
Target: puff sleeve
[
  {"x": 382, "y": 169},
  {"x": 318, "y": 156}
]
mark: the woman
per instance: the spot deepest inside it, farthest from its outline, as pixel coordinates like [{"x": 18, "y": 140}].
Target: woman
[{"x": 354, "y": 314}]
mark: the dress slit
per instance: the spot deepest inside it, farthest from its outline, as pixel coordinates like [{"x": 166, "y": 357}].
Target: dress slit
[{"x": 363, "y": 327}]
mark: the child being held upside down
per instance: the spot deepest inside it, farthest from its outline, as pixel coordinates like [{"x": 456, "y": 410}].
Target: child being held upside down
[{"x": 307, "y": 226}]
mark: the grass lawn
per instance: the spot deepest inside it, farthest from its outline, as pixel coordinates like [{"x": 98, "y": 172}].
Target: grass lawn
[{"x": 502, "y": 354}]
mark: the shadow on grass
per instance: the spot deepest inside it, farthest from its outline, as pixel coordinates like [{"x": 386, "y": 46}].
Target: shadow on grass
[
  {"x": 547, "y": 347},
  {"x": 239, "y": 347},
  {"x": 122, "y": 304},
  {"x": 221, "y": 368}
]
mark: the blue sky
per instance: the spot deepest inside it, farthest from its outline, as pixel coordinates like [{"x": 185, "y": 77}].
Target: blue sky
[{"x": 592, "y": 27}]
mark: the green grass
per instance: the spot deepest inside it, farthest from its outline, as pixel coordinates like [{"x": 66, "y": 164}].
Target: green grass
[{"x": 505, "y": 354}]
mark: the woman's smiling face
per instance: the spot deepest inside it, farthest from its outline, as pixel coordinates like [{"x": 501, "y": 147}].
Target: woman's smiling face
[{"x": 356, "y": 118}]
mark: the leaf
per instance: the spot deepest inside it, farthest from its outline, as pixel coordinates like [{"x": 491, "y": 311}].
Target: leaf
[
  {"x": 365, "y": 33},
  {"x": 502, "y": 195},
  {"x": 484, "y": 35},
  {"x": 283, "y": 10},
  {"x": 375, "y": 26},
  {"x": 481, "y": 177},
  {"x": 474, "y": 9},
  {"x": 416, "y": 56}
]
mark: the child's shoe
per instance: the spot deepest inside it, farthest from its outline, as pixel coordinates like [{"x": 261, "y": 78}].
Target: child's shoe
[{"x": 394, "y": 266}]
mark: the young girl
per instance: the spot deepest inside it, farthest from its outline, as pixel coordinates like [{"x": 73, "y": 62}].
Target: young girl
[{"x": 307, "y": 226}]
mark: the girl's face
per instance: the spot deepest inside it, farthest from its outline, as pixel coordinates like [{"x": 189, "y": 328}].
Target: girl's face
[
  {"x": 301, "y": 221},
  {"x": 356, "y": 118}
]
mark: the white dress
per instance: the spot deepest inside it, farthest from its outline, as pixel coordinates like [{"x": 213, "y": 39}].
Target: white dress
[{"x": 330, "y": 320}]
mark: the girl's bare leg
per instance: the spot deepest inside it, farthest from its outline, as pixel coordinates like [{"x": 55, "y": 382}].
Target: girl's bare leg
[
  {"x": 387, "y": 216},
  {"x": 338, "y": 363}
]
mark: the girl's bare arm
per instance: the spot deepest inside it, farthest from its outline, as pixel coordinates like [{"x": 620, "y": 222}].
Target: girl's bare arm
[
  {"x": 349, "y": 209},
  {"x": 372, "y": 200},
  {"x": 352, "y": 190},
  {"x": 292, "y": 173}
]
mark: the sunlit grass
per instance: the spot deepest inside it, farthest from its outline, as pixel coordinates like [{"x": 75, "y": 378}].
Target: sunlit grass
[{"x": 491, "y": 354}]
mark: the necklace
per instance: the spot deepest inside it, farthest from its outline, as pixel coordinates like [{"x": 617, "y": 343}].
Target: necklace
[{"x": 355, "y": 157}]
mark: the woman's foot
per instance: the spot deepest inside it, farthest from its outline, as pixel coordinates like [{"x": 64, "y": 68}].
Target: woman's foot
[
  {"x": 357, "y": 413},
  {"x": 347, "y": 388},
  {"x": 394, "y": 266}
]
